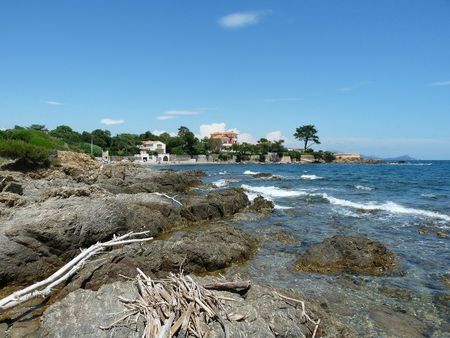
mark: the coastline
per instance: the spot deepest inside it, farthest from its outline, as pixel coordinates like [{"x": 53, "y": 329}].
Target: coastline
[{"x": 207, "y": 231}]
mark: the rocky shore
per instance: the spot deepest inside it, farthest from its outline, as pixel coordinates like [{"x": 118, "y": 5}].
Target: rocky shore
[{"x": 47, "y": 215}]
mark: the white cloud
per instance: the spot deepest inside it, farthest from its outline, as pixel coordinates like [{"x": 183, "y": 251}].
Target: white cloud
[
  {"x": 166, "y": 117},
  {"x": 173, "y": 114},
  {"x": 439, "y": 83},
  {"x": 55, "y": 103},
  {"x": 275, "y": 136},
  {"x": 355, "y": 86},
  {"x": 246, "y": 137},
  {"x": 159, "y": 132},
  {"x": 110, "y": 122},
  {"x": 207, "y": 129},
  {"x": 284, "y": 99},
  {"x": 240, "y": 19}
]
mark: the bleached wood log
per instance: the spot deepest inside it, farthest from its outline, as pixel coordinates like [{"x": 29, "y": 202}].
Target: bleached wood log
[
  {"x": 239, "y": 287},
  {"x": 45, "y": 287}
]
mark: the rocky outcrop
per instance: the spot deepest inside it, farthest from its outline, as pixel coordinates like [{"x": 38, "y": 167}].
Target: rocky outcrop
[
  {"x": 260, "y": 204},
  {"x": 130, "y": 179},
  {"x": 347, "y": 254},
  {"x": 264, "y": 314},
  {"x": 218, "y": 204},
  {"x": 36, "y": 240},
  {"x": 199, "y": 250}
]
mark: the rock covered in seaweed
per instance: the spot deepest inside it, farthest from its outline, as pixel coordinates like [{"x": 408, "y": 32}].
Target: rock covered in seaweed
[
  {"x": 260, "y": 204},
  {"x": 347, "y": 254}
]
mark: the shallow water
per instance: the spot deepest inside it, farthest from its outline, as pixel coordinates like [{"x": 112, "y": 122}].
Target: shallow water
[{"x": 387, "y": 203}]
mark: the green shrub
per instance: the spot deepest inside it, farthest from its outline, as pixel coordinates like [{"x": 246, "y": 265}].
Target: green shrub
[
  {"x": 328, "y": 156},
  {"x": 27, "y": 156}
]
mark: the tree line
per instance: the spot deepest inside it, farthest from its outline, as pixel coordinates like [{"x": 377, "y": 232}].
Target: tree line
[{"x": 38, "y": 140}]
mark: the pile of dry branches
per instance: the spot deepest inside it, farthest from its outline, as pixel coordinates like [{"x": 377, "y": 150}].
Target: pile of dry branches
[{"x": 175, "y": 305}]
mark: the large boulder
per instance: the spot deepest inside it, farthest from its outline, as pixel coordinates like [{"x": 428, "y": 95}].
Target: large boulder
[
  {"x": 347, "y": 254},
  {"x": 218, "y": 204}
]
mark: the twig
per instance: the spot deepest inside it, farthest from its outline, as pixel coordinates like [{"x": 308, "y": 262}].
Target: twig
[
  {"x": 45, "y": 287},
  {"x": 169, "y": 197}
]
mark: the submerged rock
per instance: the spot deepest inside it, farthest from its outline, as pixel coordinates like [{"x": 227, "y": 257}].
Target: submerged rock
[{"x": 347, "y": 254}]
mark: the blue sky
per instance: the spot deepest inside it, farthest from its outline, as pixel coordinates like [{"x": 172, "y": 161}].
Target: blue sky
[{"x": 373, "y": 76}]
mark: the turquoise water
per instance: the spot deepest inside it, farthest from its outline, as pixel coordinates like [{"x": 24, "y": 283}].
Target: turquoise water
[{"x": 388, "y": 203}]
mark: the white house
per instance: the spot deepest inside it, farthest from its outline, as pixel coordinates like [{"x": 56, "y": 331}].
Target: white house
[
  {"x": 153, "y": 146},
  {"x": 153, "y": 151}
]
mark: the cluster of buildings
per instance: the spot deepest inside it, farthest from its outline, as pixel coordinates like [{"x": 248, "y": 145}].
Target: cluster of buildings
[{"x": 155, "y": 151}]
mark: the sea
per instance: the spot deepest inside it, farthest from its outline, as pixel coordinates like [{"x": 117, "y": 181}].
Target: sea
[{"x": 405, "y": 206}]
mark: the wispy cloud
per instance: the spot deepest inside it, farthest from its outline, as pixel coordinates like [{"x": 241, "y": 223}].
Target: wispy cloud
[
  {"x": 241, "y": 19},
  {"x": 166, "y": 117},
  {"x": 55, "y": 103},
  {"x": 439, "y": 83},
  {"x": 110, "y": 122},
  {"x": 284, "y": 99},
  {"x": 355, "y": 86},
  {"x": 173, "y": 114}
]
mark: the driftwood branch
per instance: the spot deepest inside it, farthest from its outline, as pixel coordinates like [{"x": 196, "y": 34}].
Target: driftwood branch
[
  {"x": 172, "y": 198},
  {"x": 239, "y": 287},
  {"x": 45, "y": 287},
  {"x": 316, "y": 323}
]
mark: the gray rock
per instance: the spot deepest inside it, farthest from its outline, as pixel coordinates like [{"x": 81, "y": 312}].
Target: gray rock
[
  {"x": 35, "y": 240},
  {"x": 83, "y": 312},
  {"x": 198, "y": 250}
]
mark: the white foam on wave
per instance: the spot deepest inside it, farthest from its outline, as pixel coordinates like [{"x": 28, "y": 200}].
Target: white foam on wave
[
  {"x": 252, "y": 195},
  {"x": 223, "y": 172},
  {"x": 281, "y": 207},
  {"x": 224, "y": 182},
  {"x": 362, "y": 187},
  {"x": 428, "y": 195},
  {"x": 388, "y": 206},
  {"x": 272, "y": 191},
  {"x": 249, "y": 172},
  {"x": 310, "y": 177}
]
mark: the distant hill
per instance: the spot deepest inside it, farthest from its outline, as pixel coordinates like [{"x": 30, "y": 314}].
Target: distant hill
[{"x": 401, "y": 158}]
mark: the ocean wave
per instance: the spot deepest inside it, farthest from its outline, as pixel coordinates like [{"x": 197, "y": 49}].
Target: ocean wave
[
  {"x": 223, "y": 172},
  {"x": 281, "y": 207},
  {"x": 223, "y": 182},
  {"x": 310, "y": 177},
  {"x": 388, "y": 206},
  {"x": 249, "y": 172},
  {"x": 362, "y": 187},
  {"x": 272, "y": 191},
  {"x": 409, "y": 163},
  {"x": 428, "y": 195},
  {"x": 252, "y": 195}
]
